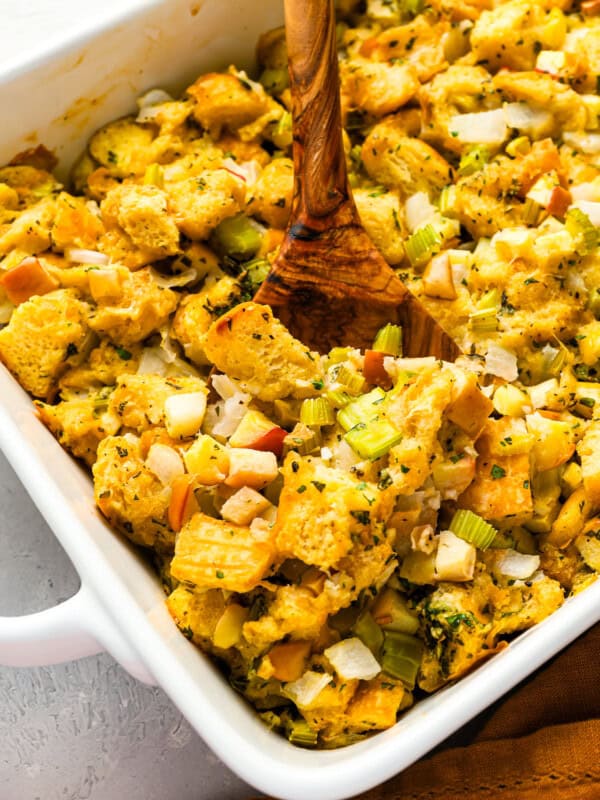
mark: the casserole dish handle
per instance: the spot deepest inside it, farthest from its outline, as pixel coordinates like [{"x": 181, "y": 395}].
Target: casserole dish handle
[{"x": 75, "y": 628}]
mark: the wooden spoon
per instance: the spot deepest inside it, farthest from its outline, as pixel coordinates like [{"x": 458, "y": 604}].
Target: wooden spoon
[{"x": 329, "y": 284}]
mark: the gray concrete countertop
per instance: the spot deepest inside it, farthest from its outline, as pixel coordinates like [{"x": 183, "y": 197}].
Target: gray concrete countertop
[{"x": 85, "y": 729}]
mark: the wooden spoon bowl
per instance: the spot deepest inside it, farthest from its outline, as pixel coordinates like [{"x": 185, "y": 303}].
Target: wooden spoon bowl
[{"x": 329, "y": 284}]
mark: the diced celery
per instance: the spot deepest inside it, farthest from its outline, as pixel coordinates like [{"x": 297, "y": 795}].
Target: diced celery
[
  {"x": 369, "y": 632},
  {"x": 447, "y": 202},
  {"x": 282, "y": 133},
  {"x": 257, "y": 270},
  {"x": 583, "y": 231},
  {"x": 531, "y": 212},
  {"x": 237, "y": 237},
  {"x": 389, "y": 340},
  {"x": 349, "y": 378},
  {"x": 276, "y": 80},
  {"x": 472, "y": 528},
  {"x": 401, "y": 657},
  {"x": 373, "y": 439},
  {"x": 303, "y": 440},
  {"x": 422, "y": 245},
  {"x": 299, "y": 732},
  {"x": 338, "y": 398},
  {"x": 364, "y": 409},
  {"x": 473, "y": 160},
  {"x": 316, "y": 411}
]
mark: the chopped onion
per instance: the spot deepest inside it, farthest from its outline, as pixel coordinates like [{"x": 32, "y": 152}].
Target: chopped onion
[
  {"x": 517, "y": 565},
  {"x": 486, "y": 127},
  {"x": 152, "y": 362},
  {"x": 418, "y": 210},
  {"x": 588, "y": 143},
  {"x": 224, "y": 386},
  {"x": 153, "y": 97},
  {"x": 86, "y": 256},
  {"x": 352, "y": 660},
  {"x": 526, "y": 119},
  {"x": 591, "y": 209},
  {"x": 170, "y": 281},
  {"x": 501, "y": 362},
  {"x": 247, "y": 171},
  {"x": 165, "y": 463},
  {"x": 230, "y": 414},
  {"x": 308, "y": 687}
]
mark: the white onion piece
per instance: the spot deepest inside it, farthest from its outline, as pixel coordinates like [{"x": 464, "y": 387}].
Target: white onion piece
[
  {"x": 231, "y": 412},
  {"x": 153, "y": 97},
  {"x": 501, "y": 362},
  {"x": 86, "y": 256},
  {"x": 152, "y": 362},
  {"x": 486, "y": 127},
  {"x": 170, "y": 281},
  {"x": 588, "y": 143},
  {"x": 517, "y": 565},
  {"x": 247, "y": 171},
  {"x": 589, "y": 208},
  {"x": 165, "y": 463},
  {"x": 224, "y": 386},
  {"x": 308, "y": 687},
  {"x": 525, "y": 118},
  {"x": 418, "y": 210},
  {"x": 352, "y": 660}
]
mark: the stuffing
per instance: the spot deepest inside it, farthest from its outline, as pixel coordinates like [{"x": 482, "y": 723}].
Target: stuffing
[
  {"x": 138, "y": 401},
  {"x": 103, "y": 366},
  {"x": 43, "y": 339},
  {"x": 271, "y": 199},
  {"x": 141, "y": 307},
  {"x": 198, "y": 204},
  {"x": 74, "y": 224},
  {"x": 81, "y": 424},
  {"x": 130, "y": 495},
  {"x": 323, "y": 511},
  {"x": 123, "y": 147},
  {"x": 377, "y": 88},
  {"x": 403, "y": 162},
  {"x": 249, "y": 344},
  {"x": 381, "y": 216},
  {"x": 229, "y": 100},
  {"x": 216, "y": 554},
  {"x": 141, "y": 211},
  {"x": 30, "y": 233}
]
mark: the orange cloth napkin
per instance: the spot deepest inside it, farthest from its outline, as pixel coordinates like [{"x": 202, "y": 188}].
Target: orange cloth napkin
[{"x": 541, "y": 742}]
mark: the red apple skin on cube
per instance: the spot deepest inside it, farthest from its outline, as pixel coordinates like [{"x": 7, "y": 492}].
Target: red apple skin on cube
[{"x": 27, "y": 279}]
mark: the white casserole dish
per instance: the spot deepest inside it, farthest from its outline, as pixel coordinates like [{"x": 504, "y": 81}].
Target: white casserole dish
[{"x": 60, "y": 99}]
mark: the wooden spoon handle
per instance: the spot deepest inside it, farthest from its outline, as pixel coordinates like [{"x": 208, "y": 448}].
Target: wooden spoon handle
[{"x": 319, "y": 161}]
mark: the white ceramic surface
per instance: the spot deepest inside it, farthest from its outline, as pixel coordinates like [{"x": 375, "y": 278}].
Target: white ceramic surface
[{"x": 70, "y": 90}]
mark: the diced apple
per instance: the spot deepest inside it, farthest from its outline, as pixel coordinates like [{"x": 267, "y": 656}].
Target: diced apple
[
  {"x": 392, "y": 613},
  {"x": 554, "y": 441},
  {"x": 512, "y": 402},
  {"x": 258, "y": 432},
  {"x": 27, "y": 279},
  {"x": 438, "y": 279},
  {"x": 207, "y": 460},
  {"x": 253, "y": 468},
  {"x": 244, "y": 505},
  {"x": 165, "y": 463},
  {"x": 228, "y": 631},
  {"x": 184, "y": 414},
  {"x": 469, "y": 408},
  {"x": 455, "y": 558},
  {"x": 418, "y": 568},
  {"x": 374, "y": 370},
  {"x": 571, "y": 519}
]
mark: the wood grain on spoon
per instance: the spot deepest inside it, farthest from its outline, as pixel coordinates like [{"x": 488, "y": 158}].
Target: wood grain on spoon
[{"x": 329, "y": 284}]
